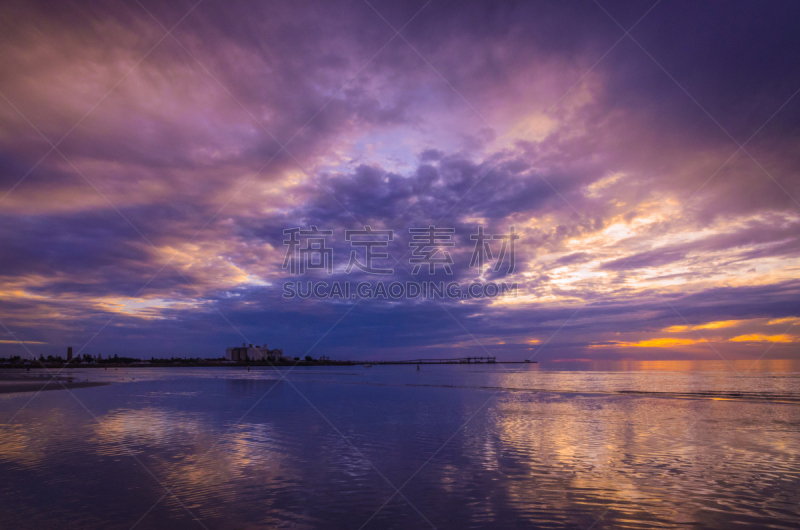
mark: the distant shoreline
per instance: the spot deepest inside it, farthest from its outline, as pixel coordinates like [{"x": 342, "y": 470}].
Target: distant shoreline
[{"x": 224, "y": 364}]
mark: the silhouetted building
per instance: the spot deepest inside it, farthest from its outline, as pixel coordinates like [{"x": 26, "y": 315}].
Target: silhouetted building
[
  {"x": 253, "y": 353},
  {"x": 69, "y": 353}
]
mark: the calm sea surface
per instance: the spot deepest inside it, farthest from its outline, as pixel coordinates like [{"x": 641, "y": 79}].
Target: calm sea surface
[{"x": 620, "y": 445}]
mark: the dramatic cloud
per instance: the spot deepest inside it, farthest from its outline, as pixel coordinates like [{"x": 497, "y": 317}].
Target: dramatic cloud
[{"x": 147, "y": 178}]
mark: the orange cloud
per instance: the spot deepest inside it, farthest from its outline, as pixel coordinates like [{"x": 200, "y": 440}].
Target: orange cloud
[
  {"x": 758, "y": 337},
  {"x": 708, "y": 325},
  {"x": 659, "y": 343},
  {"x": 783, "y": 320}
]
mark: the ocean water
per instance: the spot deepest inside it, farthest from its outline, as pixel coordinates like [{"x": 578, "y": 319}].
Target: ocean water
[{"x": 615, "y": 445}]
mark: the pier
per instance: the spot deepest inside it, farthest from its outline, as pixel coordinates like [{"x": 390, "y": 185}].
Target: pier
[{"x": 453, "y": 360}]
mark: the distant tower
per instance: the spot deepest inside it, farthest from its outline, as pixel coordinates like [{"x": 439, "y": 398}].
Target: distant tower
[{"x": 69, "y": 353}]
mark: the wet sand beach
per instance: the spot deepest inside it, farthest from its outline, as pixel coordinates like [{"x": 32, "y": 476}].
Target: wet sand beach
[{"x": 13, "y": 383}]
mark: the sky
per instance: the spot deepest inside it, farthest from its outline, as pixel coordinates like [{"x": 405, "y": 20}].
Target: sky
[{"x": 646, "y": 153}]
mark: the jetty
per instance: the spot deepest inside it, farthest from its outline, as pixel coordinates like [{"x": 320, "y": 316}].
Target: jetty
[{"x": 453, "y": 360}]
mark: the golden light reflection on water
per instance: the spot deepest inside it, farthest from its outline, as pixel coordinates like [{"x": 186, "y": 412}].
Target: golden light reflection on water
[
  {"x": 29, "y": 444},
  {"x": 197, "y": 461},
  {"x": 642, "y": 458},
  {"x": 191, "y": 458},
  {"x": 741, "y": 365},
  {"x": 531, "y": 458}
]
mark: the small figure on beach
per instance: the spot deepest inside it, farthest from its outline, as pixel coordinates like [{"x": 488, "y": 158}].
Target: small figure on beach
[{"x": 417, "y": 368}]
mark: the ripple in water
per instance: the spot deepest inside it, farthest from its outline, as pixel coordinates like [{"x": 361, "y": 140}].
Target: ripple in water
[{"x": 469, "y": 448}]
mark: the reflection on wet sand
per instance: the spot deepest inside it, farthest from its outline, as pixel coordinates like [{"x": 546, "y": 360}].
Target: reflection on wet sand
[
  {"x": 204, "y": 470},
  {"x": 648, "y": 461},
  {"x": 247, "y": 450}
]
